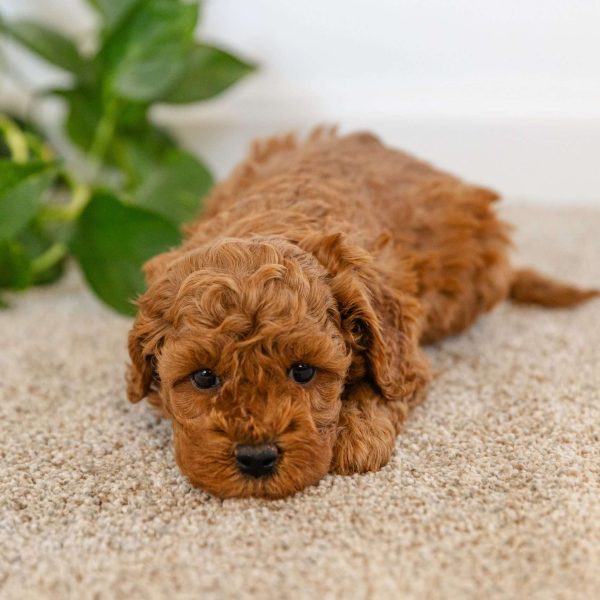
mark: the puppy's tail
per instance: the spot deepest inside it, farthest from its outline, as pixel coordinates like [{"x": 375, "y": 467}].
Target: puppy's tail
[{"x": 529, "y": 287}]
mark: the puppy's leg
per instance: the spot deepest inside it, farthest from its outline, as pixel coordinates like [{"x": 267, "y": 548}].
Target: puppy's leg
[{"x": 367, "y": 430}]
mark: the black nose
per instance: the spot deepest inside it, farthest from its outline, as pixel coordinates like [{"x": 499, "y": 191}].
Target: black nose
[{"x": 256, "y": 461}]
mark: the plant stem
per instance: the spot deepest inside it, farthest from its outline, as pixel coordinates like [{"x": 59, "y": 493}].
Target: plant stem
[
  {"x": 81, "y": 192},
  {"x": 15, "y": 140},
  {"x": 103, "y": 135},
  {"x": 71, "y": 211},
  {"x": 48, "y": 259}
]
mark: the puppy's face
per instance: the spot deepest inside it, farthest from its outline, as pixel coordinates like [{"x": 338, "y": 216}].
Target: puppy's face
[{"x": 241, "y": 343}]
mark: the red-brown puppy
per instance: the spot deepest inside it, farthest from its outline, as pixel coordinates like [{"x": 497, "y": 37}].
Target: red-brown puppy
[{"x": 282, "y": 339}]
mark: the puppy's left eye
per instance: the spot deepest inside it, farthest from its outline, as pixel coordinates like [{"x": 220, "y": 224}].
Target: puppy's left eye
[{"x": 302, "y": 373}]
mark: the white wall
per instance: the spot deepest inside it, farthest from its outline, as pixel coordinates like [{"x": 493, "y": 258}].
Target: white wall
[{"x": 504, "y": 92}]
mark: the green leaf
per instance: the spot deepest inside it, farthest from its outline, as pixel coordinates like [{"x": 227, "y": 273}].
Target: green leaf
[
  {"x": 84, "y": 111},
  {"x": 19, "y": 204},
  {"x": 208, "y": 72},
  {"x": 12, "y": 173},
  {"x": 49, "y": 44},
  {"x": 137, "y": 145},
  {"x": 140, "y": 153},
  {"x": 113, "y": 11},
  {"x": 176, "y": 188},
  {"x": 36, "y": 241},
  {"x": 111, "y": 242},
  {"x": 137, "y": 148},
  {"x": 146, "y": 54},
  {"x": 15, "y": 266}
]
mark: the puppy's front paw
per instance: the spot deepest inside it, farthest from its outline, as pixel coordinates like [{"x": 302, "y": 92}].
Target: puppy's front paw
[{"x": 365, "y": 441}]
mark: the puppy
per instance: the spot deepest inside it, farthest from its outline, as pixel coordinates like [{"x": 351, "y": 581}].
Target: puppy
[{"x": 283, "y": 338}]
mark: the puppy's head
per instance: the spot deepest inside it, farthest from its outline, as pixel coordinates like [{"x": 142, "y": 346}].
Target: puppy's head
[{"x": 248, "y": 346}]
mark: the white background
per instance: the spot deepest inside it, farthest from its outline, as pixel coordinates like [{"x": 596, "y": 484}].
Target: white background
[{"x": 504, "y": 92}]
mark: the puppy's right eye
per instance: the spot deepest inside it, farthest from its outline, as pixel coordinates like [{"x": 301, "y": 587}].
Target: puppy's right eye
[
  {"x": 302, "y": 373},
  {"x": 205, "y": 379}
]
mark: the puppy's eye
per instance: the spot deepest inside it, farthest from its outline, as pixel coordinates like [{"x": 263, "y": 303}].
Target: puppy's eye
[
  {"x": 205, "y": 379},
  {"x": 302, "y": 373}
]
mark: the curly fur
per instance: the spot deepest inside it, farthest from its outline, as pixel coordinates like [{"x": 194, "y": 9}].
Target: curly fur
[{"x": 337, "y": 252}]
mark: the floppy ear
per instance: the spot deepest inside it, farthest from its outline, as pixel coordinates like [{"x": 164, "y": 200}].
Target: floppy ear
[
  {"x": 396, "y": 360},
  {"x": 380, "y": 323},
  {"x": 141, "y": 375},
  {"x": 147, "y": 333}
]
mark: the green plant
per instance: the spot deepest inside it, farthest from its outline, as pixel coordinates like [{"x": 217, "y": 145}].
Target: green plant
[{"x": 124, "y": 197}]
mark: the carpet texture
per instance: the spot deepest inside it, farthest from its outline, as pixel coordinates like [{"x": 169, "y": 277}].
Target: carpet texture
[{"x": 494, "y": 490}]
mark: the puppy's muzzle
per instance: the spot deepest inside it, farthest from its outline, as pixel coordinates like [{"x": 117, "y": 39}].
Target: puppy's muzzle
[{"x": 256, "y": 461}]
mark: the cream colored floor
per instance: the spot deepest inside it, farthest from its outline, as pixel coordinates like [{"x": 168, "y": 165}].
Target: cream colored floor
[{"x": 494, "y": 490}]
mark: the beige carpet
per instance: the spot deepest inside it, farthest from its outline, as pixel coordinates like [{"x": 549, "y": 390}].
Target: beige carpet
[{"x": 494, "y": 491}]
